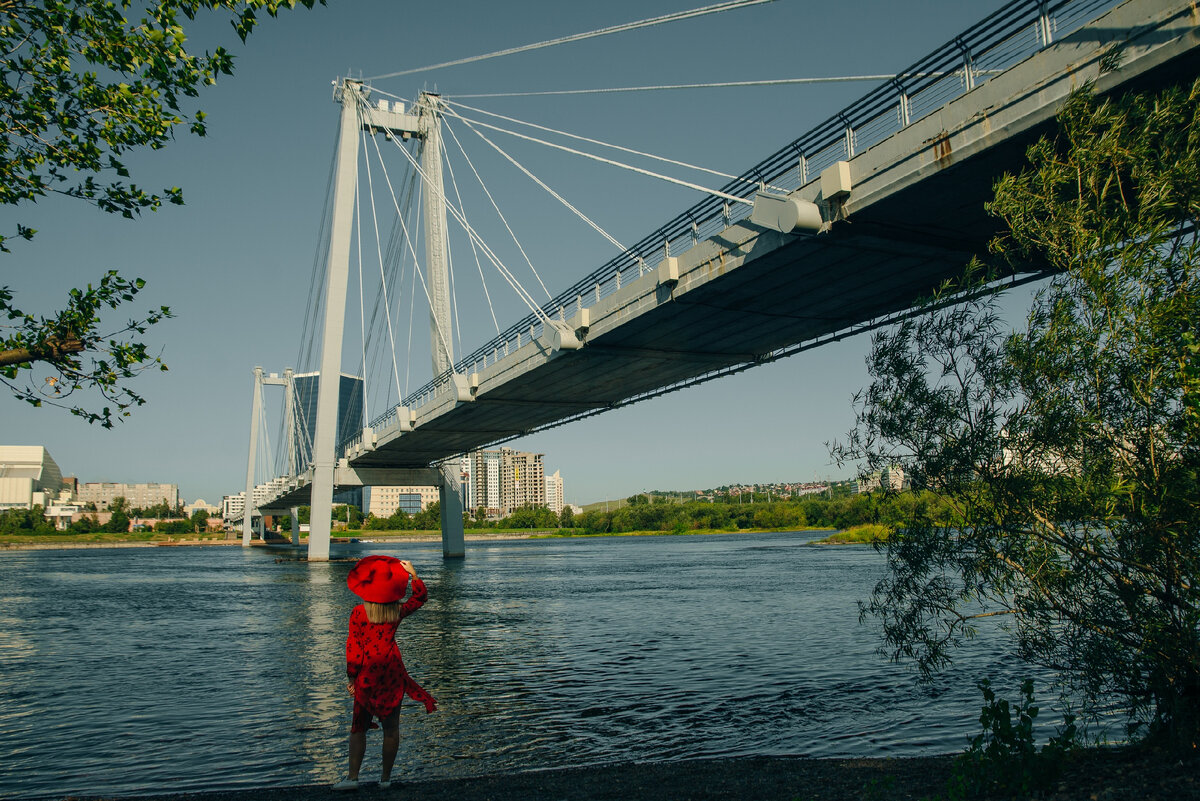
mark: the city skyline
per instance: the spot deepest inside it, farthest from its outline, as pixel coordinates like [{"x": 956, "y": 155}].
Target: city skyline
[{"x": 234, "y": 262}]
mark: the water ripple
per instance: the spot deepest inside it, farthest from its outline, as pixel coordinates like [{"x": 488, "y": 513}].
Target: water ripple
[{"x": 198, "y": 669}]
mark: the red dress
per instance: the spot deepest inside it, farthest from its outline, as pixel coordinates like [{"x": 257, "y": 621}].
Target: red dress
[{"x": 373, "y": 661}]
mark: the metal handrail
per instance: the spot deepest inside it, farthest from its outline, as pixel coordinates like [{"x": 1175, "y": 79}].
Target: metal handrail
[{"x": 950, "y": 71}]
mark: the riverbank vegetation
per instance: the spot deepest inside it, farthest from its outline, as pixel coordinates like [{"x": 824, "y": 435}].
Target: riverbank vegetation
[
  {"x": 662, "y": 515},
  {"x": 867, "y": 533},
  {"x": 1069, "y": 449}
]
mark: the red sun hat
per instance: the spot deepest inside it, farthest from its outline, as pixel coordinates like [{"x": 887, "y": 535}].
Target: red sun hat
[{"x": 378, "y": 579}]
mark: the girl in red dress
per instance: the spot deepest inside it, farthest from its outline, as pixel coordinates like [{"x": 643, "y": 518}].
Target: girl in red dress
[{"x": 378, "y": 680}]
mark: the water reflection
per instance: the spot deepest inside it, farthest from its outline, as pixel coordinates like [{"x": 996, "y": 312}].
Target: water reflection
[{"x": 190, "y": 669}]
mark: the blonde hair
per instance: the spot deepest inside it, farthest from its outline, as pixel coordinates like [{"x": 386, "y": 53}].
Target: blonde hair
[{"x": 383, "y": 613}]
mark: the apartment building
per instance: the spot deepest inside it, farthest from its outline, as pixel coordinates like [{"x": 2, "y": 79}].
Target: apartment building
[
  {"x": 503, "y": 480},
  {"x": 387, "y": 500},
  {"x": 138, "y": 496}
]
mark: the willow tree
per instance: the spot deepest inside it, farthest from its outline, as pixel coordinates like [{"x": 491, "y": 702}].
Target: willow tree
[
  {"x": 1069, "y": 447},
  {"x": 82, "y": 83}
]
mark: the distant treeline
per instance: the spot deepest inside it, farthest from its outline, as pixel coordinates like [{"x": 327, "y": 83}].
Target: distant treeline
[{"x": 659, "y": 514}]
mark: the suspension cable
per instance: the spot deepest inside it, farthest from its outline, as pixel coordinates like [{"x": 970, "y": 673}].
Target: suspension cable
[
  {"x": 602, "y": 160},
  {"x": 487, "y": 251},
  {"x": 495, "y": 206},
  {"x": 408, "y": 239},
  {"x": 474, "y": 249},
  {"x": 628, "y": 26},
  {"x": 716, "y": 85},
  {"x": 629, "y": 150},
  {"x": 387, "y": 309},
  {"x": 362, "y": 317},
  {"x": 543, "y": 185}
]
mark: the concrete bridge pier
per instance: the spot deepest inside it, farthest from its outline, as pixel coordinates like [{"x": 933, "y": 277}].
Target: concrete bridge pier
[{"x": 451, "y": 501}]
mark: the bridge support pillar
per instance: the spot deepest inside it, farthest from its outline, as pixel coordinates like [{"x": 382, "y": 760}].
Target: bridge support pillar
[
  {"x": 248, "y": 508},
  {"x": 324, "y": 458},
  {"x": 294, "y": 514},
  {"x": 450, "y": 496}
]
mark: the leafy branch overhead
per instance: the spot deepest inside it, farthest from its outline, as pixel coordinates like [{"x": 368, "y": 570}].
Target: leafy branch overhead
[{"x": 83, "y": 83}]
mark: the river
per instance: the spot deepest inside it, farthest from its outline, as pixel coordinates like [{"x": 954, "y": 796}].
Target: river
[{"x": 126, "y": 671}]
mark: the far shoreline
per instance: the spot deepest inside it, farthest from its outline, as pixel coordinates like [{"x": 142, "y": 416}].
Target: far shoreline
[{"x": 50, "y": 542}]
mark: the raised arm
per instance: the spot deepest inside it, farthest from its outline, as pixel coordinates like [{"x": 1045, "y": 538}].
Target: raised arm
[{"x": 419, "y": 593}]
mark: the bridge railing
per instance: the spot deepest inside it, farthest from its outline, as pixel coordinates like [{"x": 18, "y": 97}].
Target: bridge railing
[{"x": 1001, "y": 40}]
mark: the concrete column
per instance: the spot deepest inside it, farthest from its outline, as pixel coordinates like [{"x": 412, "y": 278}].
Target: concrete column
[
  {"x": 337, "y": 272},
  {"x": 450, "y": 496},
  {"x": 248, "y": 509},
  {"x": 434, "y": 202},
  {"x": 294, "y": 513}
]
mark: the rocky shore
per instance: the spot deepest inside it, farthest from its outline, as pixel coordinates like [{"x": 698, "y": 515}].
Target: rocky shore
[{"x": 1092, "y": 775}]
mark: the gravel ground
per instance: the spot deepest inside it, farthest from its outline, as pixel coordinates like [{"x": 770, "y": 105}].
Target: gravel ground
[{"x": 1096, "y": 775}]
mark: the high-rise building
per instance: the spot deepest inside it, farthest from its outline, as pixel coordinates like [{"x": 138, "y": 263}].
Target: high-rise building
[
  {"x": 554, "y": 493},
  {"x": 350, "y": 422},
  {"x": 503, "y": 480}
]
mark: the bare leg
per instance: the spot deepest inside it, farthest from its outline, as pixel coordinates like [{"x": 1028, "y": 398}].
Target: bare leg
[
  {"x": 391, "y": 744},
  {"x": 358, "y": 747}
]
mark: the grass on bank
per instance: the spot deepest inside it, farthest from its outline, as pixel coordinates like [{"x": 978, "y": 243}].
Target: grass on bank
[
  {"x": 867, "y": 534},
  {"x": 100, "y": 537}
]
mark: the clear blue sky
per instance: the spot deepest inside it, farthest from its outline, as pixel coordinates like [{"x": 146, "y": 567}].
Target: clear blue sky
[{"x": 234, "y": 263}]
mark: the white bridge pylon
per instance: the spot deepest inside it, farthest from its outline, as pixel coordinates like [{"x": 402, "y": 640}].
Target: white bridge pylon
[{"x": 391, "y": 120}]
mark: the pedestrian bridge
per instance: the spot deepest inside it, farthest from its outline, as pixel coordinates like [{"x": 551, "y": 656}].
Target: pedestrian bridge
[{"x": 854, "y": 222}]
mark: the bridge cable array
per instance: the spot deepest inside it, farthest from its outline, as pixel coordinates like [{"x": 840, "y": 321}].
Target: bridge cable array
[{"x": 628, "y": 26}]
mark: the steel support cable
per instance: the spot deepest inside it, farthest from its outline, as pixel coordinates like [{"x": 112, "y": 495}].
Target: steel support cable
[
  {"x": 629, "y": 150},
  {"x": 602, "y": 160},
  {"x": 474, "y": 249},
  {"x": 407, "y": 238},
  {"x": 394, "y": 253},
  {"x": 362, "y": 317},
  {"x": 281, "y": 430},
  {"x": 627, "y": 26},
  {"x": 503, "y": 219},
  {"x": 412, "y": 291},
  {"x": 543, "y": 185},
  {"x": 387, "y": 310},
  {"x": 321, "y": 251},
  {"x": 487, "y": 251},
  {"x": 714, "y": 85},
  {"x": 266, "y": 456},
  {"x": 501, "y": 268},
  {"x": 450, "y": 256}
]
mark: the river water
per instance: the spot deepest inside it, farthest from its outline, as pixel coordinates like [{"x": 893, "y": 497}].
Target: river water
[{"x": 180, "y": 669}]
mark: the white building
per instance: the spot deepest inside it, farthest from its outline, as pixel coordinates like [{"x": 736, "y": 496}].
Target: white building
[
  {"x": 554, "y": 493},
  {"x": 233, "y": 507},
  {"x": 384, "y": 501},
  {"x": 892, "y": 479},
  {"x": 28, "y": 477},
  {"x": 200, "y": 504}
]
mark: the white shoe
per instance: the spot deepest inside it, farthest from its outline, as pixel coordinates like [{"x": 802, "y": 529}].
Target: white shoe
[
  {"x": 385, "y": 783},
  {"x": 346, "y": 784}
]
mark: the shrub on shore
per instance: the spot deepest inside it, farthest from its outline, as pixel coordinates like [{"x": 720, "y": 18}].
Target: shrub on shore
[{"x": 868, "y": 534}]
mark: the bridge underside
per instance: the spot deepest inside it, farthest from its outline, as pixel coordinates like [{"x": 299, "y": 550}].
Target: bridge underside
[{"x": 771, "y": 302}]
